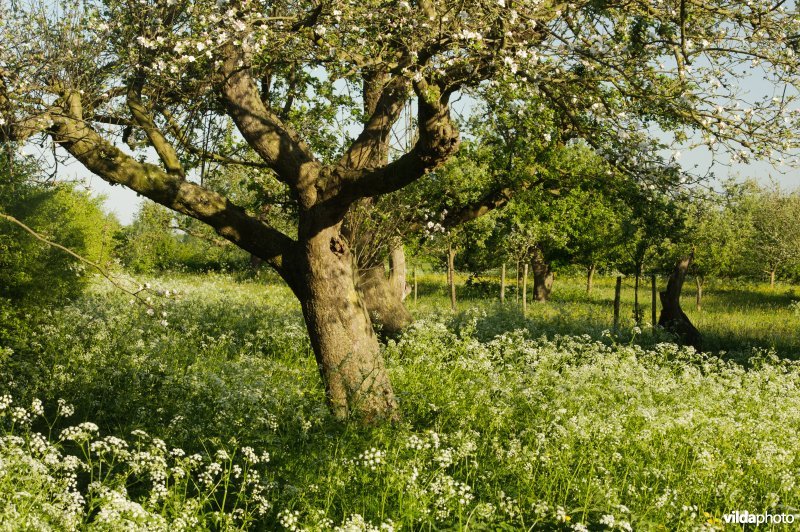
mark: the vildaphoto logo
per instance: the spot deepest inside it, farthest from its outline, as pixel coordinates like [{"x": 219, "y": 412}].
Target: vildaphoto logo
[{"x": 742, "y": 518}]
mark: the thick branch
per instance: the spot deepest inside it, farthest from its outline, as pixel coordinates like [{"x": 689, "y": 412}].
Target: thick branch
[
  {"x": 438, "y": 141},
  {"x": 491, "y": 201},
  {"x": 162, "y": 146},
  {"x": 108, "y": 162},
  {"x": 383, "y": 103},
  {"x": 274, "y": 142}
]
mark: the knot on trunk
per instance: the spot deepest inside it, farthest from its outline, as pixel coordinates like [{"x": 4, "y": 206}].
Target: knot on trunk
[
  {"x": 337, "y": 246},
  {"x": 442, "y": 145}
]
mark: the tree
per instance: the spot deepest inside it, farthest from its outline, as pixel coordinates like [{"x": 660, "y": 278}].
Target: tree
[
  {"x": 160, "y": 239},
  {"x": 150, "y": 73},
  {"x": 774, "y": 242},
  {"x": 593, "y": 221},
  {"x": 716, "y": 236},
  {"x": 650, "y": 224}
]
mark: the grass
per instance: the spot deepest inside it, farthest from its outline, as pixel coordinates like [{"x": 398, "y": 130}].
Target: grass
[
  {"x": 208, "y": 413},
  {"x": 735, "y": 317}
]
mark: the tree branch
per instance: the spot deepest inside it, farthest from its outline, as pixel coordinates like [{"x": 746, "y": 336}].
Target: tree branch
[
  {"x": 108, "y": 162},
  {"x": 384, "y": 103},
  {"x": 103, "y": 271},
  {"x": 438, "y": 140},
  {"x": 162, "y": 146},
  {"x": 275, "y": 143},
  {"x": 184, "y": 141}
]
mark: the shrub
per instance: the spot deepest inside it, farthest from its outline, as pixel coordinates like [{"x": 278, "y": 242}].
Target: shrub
[{"x": 32, "y": 271}]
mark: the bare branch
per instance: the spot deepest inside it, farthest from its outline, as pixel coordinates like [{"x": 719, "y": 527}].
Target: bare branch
[
  {"x": 183, "y": 139},
  {"x": 162, "y": 146},
  {"x": 100, "y": 269}
]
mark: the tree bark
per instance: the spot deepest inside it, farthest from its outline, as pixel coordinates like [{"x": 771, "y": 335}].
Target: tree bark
[
  {"x": 415, "y": 285},
  {"x": 451, "y": 275},
  {"x": 386, "y": 309},
  {"x": 344, "y": 343},
  {"x": 590, "y": 278},
  {"x": 672, "y": 316},
  {"x": 397, "y": 272},
  {"x": 516, "y": 292},
  {"x": 384, "y": 292},
  {"x": 772, "y": 279},
  {"x": 542, "y": 278}
]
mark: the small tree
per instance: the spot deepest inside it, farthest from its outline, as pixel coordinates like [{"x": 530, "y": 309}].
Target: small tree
[{"x": 717, "y": 237}]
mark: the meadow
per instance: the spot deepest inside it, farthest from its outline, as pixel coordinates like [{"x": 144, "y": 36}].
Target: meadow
[{"x": 203, "y": 409}]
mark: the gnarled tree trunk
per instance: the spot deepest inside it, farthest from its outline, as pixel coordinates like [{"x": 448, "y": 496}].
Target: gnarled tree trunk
[
  {"x": 542, "y": 278},
  {"x": 345, "y": 345},
  {"x": 382, "y": 299},
  {"x": 525, "y": 288},
  {"x": 672, "y": 317},
  {"x": 397, "y": 272}
]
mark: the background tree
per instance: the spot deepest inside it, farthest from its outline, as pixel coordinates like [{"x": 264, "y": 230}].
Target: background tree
[
  {"x": 594, "y": 232},
  {"x": 650, "y": 222},
  {"x": 774, "y": 243},
  {"x": 717, "y": 236}
]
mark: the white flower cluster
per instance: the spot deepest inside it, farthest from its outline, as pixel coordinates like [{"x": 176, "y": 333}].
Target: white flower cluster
[
  {"x": 79, "y": 433},
  {"x": 32, "y": 457},
  {"x": 371, "y": 458}
]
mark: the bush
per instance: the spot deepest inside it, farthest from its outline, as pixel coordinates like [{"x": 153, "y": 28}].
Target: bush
[
  {"x": 32, "y": 271},
  {"x": 153, "y": 244}
]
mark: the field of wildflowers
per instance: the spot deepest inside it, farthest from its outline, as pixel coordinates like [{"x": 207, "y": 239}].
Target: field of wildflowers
[{"x": 205, "y": 411}]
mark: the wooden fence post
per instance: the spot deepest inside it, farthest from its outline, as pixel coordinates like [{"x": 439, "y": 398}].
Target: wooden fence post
[
  {"x": 525, "y": 289},
  {"x": 653, "y": 306},
  {"x": 617, "y": 292},
  {"x": 503, "y": 284}
]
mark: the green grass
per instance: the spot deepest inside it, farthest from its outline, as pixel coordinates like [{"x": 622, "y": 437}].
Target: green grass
[
  {"x": 735, "y": 317},
  {"x": 543, "y": 421}
]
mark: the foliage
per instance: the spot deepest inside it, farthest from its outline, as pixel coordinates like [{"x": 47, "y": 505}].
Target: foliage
[
  {"x": 718, "y": 233},
  {"x": 31, "y": 271},
  {"x": 156, "y": 241},
  {"x": 773, "y": 243}
]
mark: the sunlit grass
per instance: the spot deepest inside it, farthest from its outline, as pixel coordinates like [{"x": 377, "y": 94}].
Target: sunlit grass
[{"x": 544, "y": 421}]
